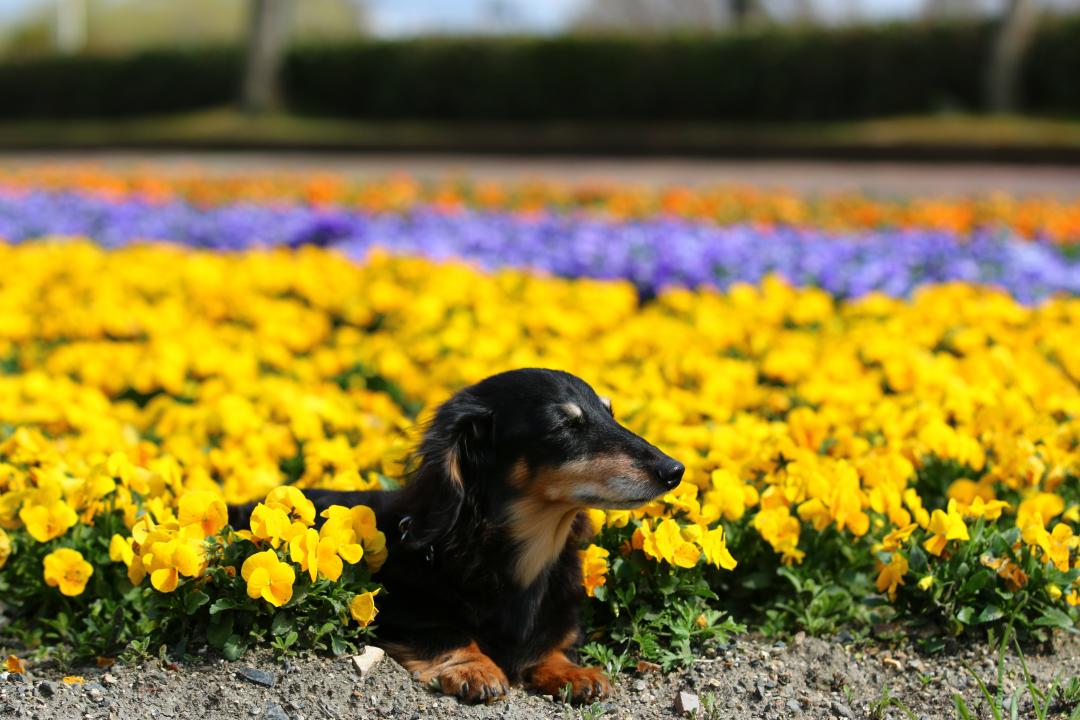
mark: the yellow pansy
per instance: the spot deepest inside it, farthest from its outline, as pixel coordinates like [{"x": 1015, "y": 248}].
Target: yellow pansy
[
  {"x": 66, "y": 570},
  {"x": 292, "y": 501},
  {"x": 667, "y": 543},
  {"x": 271, "y": 524},
  {"x": 167, "y": 560},
  {"x": 204, "y": 508},
  {"x": 945, "y": 526},
  {"x": 121, "y": 549},
  {"x": 594, "y": 567},
  {"x": 891, "y": 575},
  {"x": 362, "y": 608},
  {"x": 47, "y": 522},
  {"x": 268, "y": 578},
  {"x": 713, "y": 544},
  {"x": 781, "y": 530},
  {"x": 5, "y": 547}
]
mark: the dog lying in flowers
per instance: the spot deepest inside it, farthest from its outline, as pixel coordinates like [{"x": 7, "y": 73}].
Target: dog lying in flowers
[{"x": 483, "y": 579}]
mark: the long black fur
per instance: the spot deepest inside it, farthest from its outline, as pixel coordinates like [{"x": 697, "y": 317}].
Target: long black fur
[{"x": 449, "y": 577}]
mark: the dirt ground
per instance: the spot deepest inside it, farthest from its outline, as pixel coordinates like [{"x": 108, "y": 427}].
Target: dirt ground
[{"x": 750, "y": 678}]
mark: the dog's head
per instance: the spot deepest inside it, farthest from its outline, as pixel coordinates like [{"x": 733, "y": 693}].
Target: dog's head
[{"x": 536, "y": 446}]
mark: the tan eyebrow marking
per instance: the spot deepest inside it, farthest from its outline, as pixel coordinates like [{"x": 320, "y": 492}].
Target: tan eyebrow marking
[{"x": 572, "y": 410}]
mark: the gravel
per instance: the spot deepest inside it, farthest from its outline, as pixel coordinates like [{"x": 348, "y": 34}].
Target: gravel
[{"x": 810, "y": 678}]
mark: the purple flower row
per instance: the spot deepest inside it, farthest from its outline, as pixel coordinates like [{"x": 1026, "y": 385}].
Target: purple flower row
[{"x": 651, "y": 253}]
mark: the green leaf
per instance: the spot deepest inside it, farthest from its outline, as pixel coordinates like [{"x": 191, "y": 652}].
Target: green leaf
[
  {"x": 223, "y": 604},
  {"x": 917, "y": 560},
  {"x": 195, "y": 600},
  {"x": 281, "y": 623},
  {"x": 338, "y": 646},
  {"x": 234, "y": 647},
  {"x": 975, "y": 583},
  {"x": 990, "y": 613},
  {"x": 219, "y": 631},
  {"x": 1052, "y": 617},
  {"x": 965, "y": 614}
]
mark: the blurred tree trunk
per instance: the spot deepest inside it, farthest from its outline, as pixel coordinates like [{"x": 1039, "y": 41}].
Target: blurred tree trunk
[
  {"x": 265, "y": 46},
  {"x": 1013, "y": 37},
  {"x": 71, "y": 25},
  {"x": 746, "y": 12}
]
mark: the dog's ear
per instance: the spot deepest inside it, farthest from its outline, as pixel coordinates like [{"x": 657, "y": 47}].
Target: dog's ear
[{"x": 454, "y": 455}]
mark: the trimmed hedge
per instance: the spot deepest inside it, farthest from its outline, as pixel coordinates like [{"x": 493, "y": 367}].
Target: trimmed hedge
[
  {"x": 147, "y": 83},
  {"x": 1051, "y": 80},
  {"x": 773, "y": 75}
]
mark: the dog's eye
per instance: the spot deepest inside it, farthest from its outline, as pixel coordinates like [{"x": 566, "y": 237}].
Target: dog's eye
[{"x": 606, "y": 401}]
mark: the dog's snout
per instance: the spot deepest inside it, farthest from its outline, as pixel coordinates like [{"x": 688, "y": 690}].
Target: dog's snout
[{"x": 669, "y": 473}]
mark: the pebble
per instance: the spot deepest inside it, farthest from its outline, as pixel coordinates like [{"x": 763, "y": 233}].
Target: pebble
[
  {"x": 687, "y": 703},
  {"x": 259, "y": 677},
  {"x": 794, "y": 706},
  {"x": 274, "y": 712},
  {"x": 640, "y": 685},
  {"x": 368, "y": 659},
  {"x": 841, "y": 709},
  {"x": 47, "y": 688}
]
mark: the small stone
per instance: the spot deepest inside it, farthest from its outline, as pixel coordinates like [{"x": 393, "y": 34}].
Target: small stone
[
  {"x": 794, "y": 706},
  {"x": 841, "y": 709},
  {"x": 639, "y": 685},
  {"x": 368, "y": 659},
  {"x": 95, "y": 694},
  {"x": 109, "y": 679},
  {"x": 47, "y": 688},
  {"x": 687, "y": 704},
  {"x": 274, "y": 712},
  {"x": 259, "y": 677}
]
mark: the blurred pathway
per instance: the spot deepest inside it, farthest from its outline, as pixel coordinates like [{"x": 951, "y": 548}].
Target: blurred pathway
[{"x": 802, "y": 176}]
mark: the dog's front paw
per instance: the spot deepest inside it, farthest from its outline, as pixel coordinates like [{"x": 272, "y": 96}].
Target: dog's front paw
[
  {"x": 474, "y": 680},
  {"x": 559, "y": 677}
]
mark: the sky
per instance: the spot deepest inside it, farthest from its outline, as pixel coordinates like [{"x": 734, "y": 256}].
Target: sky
[
  {"x": 403, "y": 17},
  {"x": 406, "y": 17}
]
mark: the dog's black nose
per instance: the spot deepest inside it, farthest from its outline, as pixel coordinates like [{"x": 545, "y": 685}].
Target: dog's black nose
[{"x": 670, "y": 473}]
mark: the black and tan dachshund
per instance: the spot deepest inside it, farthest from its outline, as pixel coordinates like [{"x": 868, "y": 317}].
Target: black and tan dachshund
[{"x": 483, "y": 580}]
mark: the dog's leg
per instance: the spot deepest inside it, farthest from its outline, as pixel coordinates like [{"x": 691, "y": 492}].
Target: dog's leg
[
  {"x": 555, "y": 672},
  {"x": 463, "y": 671}
]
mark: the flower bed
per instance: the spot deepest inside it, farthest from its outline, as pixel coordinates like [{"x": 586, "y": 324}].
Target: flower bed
[
  {"x": 652, "y": 253},
  {"x": 1052, "y": 219},
  {"x": 849, "y": 463}
]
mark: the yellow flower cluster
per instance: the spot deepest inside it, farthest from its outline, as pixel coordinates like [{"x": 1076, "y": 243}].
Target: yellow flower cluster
[{"x": 187, "y": 379}]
